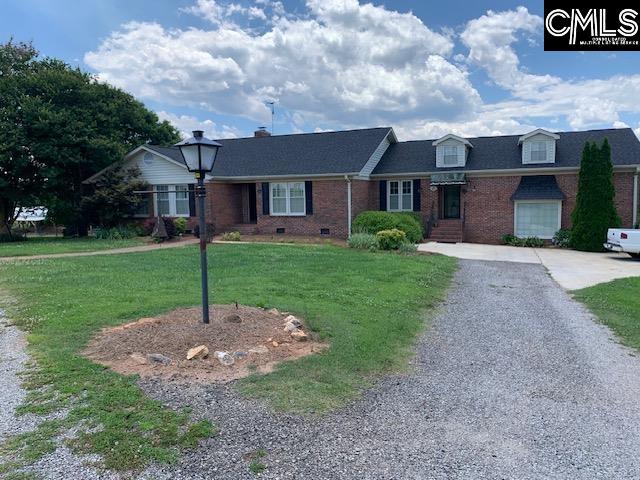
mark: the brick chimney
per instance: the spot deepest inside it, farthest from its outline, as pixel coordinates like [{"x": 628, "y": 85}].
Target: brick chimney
[{"x": 262, "y": 132}]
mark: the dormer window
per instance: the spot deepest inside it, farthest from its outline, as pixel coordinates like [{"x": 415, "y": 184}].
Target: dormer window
[
  {"x": 538, "y": 146},
  {"x": 451, "y": 151},
  {"x": 538, "y": 152},
  {"x": 450, "y": 155}
]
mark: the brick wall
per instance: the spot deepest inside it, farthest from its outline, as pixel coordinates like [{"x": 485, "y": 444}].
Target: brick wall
[
  {"x": 223, "y": 205},
  {"x": 329, "y": 211},
  {"x": 489, "y": 209}
]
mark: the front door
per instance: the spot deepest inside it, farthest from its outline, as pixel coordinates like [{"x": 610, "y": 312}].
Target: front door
[{"x": 451, "y": 201}]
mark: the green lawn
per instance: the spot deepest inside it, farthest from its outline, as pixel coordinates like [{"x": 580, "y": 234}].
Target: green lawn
[
  {"x": 617, "y": 305},
  {"x": 49, "y": 245},
  {"x": 369, "y": 306}
]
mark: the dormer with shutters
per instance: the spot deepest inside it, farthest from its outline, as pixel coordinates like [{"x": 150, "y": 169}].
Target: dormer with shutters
[
  {"x": 538, "y": 146},
  {"x": 451, "y": 151}
]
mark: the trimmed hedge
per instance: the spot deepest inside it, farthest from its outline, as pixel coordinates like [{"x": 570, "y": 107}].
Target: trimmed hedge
[{"x": 374, "y": 222}]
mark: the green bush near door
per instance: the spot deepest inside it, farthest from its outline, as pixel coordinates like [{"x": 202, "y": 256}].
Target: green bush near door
[{"x": 374, "y": 222}]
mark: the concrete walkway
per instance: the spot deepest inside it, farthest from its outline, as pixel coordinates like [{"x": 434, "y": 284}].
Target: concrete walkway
[
  {"x": 571, "y": 269},
  {"x": 113, "y": 251}
]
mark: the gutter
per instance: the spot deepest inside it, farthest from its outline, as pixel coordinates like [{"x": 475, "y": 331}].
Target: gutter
[{"x": 348, "y": 180}]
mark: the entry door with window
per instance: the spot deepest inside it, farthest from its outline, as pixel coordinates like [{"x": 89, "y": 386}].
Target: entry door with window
[{"x": 451, "y": 201}]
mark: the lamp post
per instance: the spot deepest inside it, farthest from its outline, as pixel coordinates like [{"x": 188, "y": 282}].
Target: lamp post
[{"x": 199, "y": 154}]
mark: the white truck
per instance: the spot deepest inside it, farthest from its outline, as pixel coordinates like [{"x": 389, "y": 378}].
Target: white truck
[{"x": 625, "y": 240}]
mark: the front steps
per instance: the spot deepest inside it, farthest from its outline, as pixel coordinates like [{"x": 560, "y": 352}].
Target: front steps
[{"x": 447, "y": 231}]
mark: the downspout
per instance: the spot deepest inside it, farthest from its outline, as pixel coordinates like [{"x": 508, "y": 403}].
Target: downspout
[
  {"x": 635, "y": 197},
  {"x": 348, "y": 180}
]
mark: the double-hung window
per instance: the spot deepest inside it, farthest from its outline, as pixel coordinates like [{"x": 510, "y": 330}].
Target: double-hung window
[
  {"x": 288, "y": 198},
  {"x": 538, "y": 218},
  {"x": 400, "y": 195},
  {"x": 172, "y": 200},
  {"x": 450, "y": 155},
  {"x": 538, "y": 152}
]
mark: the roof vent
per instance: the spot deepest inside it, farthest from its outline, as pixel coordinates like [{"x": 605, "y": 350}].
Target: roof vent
[{"x": 262, "y": 132}]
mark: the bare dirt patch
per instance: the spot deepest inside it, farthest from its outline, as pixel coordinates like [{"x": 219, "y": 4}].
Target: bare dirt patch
[{"x": 257, "y": 343}]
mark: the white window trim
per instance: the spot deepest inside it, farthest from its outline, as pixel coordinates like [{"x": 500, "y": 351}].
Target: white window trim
[
  {"x": 515, "y": 213},
  {"x": 288, "y": 200},
  {"x": 389, "y": 209},
  {"x": 549, "y": 149},
  {"x": 172, "y": 200}
]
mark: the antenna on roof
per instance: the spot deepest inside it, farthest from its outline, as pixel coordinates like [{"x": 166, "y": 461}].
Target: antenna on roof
[{"x": 273, "y": 111}]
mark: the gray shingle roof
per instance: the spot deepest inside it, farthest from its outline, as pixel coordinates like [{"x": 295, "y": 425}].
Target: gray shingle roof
[
  {"x": 498, "y": 153},
  {"x": 297, "y": 154},
  {"x": 538, "y": 187}
]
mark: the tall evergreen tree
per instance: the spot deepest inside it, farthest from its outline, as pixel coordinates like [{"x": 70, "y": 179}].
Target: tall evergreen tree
[{"x": 595, "y": 210}]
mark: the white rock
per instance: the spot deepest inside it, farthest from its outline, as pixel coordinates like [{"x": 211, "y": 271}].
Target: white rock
[
  {"x": 260, "y": 349},
  {"x": 225, "y": 358},
  {"x": 138, "y": 358},
  {"x": 293, "y": 320},
  {"x": 291, "y": 327}
]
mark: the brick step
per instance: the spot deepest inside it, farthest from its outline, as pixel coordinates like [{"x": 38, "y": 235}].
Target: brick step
[
  {"x": 446, "y": 229},
  {"x": 243, "y": 228},
  {"x": 445, "y": 239}
]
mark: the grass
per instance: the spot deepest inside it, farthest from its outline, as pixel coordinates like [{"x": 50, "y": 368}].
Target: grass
[
  {"x": 617, "y": 305},
  {"x": 255, "y": 465},
  {"x": 368, "y": 305},
  {"x": 52, "y": 245}
]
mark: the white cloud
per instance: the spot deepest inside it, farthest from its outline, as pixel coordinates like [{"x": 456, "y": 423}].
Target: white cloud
[
  {"x": 187, "y": 124},
  {"x": 342, "y": 64}
]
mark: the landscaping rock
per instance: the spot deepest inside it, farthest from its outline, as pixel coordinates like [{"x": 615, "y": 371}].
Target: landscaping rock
[
  {"x": 239, "y": 355},
  {"x": 300, "y": 336},
  {"x": 138, "y": 358},
  {"x": 200, "y": 351},
  {"x": 260, "y": 349},
  {"x": 232, "y": 318},
  {"x": 291, "y": 327},
  {"x": 293, "y": 320},
  {"x": 158, "y": 358},
  {"x": 273, "y": 311},
  {"x": 224, "y": 358},
  {"x": 274, "y": 343}
]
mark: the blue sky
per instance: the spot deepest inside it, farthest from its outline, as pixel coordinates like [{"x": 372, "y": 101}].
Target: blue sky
[{"x": 425, "y": 68}]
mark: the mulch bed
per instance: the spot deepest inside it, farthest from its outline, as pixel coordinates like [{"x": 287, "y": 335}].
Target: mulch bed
[{"x": 259, "y": 341}]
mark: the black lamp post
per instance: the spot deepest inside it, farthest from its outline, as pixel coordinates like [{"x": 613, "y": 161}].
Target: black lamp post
[{"x": 199, "y": 154}]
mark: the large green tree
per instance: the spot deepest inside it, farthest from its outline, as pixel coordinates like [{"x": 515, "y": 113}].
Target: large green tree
[
  {"x": 59, "y": 126},
  {"x": 595, "y": 210}
]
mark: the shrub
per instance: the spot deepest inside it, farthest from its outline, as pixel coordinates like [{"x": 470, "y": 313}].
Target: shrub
[
  {"x": 210, "y": 231},
  {"x": 562, "y": 238},
  {"x": 391, "y": 239},
  {"x": 510, "y": 239},
  {"x": 170, "y": 226},
  {"x": 181, "y": 225},
  {"x": 16, "y": 236},
  {"x": 534, "y": 242},
  {"x": 148, "y": 225},
  {"x": 363, "y": 241},
  {"x": 116, "y": 233},
  {"x": 514, "y": 241},
  {"x": 407, "y": 248},
  {"x": 374, "y": 222},
  {"x": 230, "y": 236}
]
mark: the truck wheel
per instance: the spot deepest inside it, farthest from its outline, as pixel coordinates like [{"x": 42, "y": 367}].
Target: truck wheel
[{"x": 635, "y": 255}]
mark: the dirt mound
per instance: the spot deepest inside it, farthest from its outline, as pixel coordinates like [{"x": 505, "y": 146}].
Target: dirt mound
[{"x": 257, "y": 343}]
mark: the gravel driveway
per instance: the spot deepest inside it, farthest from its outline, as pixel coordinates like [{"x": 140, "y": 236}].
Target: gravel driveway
[{"x": 514, "y": 380}]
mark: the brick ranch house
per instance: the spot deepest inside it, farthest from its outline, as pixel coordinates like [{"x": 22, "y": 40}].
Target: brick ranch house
[{"x": 464, "y": 189}]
